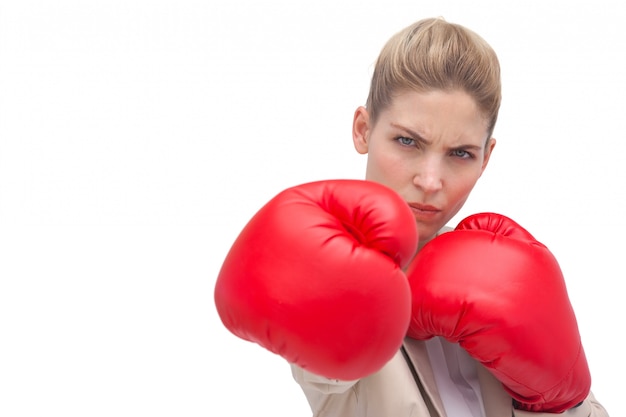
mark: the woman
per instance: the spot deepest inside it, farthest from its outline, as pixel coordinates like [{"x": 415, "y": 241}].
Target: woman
[{"x": 427, "y": 131}]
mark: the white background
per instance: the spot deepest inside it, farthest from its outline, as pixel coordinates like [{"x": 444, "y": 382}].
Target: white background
[{"x": 138, "y": 137}]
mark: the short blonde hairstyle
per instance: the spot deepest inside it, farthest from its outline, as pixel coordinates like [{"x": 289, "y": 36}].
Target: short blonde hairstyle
[{"x": 433, "y": 54}]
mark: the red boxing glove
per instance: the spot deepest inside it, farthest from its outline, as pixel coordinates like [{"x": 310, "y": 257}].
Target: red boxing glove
[
  {"x": 316, "y": 277},
  {"x": 491, "y": 287}
]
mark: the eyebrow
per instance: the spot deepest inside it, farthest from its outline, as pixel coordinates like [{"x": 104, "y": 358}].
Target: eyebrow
[{"x": 416, "y": 136}]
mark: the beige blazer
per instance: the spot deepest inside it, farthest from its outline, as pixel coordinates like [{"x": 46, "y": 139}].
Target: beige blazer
[{"x": 394, "y": 392}]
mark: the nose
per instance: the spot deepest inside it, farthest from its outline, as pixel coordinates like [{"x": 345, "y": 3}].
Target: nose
[{"x": 429, "y": 175}]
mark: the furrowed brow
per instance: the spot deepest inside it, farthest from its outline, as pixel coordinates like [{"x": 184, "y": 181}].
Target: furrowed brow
[{"x": 414, "y": 135}]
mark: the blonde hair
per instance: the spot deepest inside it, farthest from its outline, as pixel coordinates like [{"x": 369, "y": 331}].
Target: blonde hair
[{"x": 433, "y": 54}]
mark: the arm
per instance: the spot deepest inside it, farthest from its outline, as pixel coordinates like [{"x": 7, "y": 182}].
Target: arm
[{"x": 312, "y": 383}]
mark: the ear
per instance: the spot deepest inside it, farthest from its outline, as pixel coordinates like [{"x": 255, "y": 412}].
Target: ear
[
  {"x": 360, "y": 129},
  {"x": 491, "y": 143}
]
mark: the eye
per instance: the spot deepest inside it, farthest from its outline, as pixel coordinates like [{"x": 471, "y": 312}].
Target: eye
[
  {"x": 405, "y": 141},
  {"x": 462, "y": 153}
]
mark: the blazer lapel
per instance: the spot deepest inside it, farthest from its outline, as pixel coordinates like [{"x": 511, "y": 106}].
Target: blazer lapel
[
  {"x": 416, "y": 351},
  {"x": 495, "y": 399}
]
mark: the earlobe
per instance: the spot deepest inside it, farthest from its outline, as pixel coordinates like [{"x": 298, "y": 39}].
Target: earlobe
[{"x": 360, "y": 130}]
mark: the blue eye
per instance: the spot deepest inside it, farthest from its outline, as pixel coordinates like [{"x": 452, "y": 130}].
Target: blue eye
[
  {"x": 405, "y": 141},
  {"x": 462, "y": 153}
]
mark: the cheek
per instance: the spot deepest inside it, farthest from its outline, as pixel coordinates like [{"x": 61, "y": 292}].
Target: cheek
[
  {"x": 383, "y": 167},
  {"x": 459, "y": 190}
]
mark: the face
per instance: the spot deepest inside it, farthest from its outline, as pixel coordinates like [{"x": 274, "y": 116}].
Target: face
[{"x": 431, "y": 148}]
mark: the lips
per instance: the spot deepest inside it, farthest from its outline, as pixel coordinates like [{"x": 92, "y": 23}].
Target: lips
[
  {"x": 425, "y": 213},
  {"x": 424, "y": 208}
]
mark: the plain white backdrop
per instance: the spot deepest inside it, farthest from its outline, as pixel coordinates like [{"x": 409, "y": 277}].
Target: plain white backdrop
[{"x": 137, "y": 137}]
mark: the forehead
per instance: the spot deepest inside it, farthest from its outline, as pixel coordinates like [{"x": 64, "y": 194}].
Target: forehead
[{"x": 437, "y": 113}]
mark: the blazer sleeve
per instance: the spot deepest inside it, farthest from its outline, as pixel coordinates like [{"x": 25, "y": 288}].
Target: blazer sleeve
[
  {"x": 312, "y": 382},
  {"x": 588, "y": 408}
]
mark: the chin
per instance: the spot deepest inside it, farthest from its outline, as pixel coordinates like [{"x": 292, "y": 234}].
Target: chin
[
  {"x": 424, "y": 239},
  {"x": 427, "y": 233}
]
